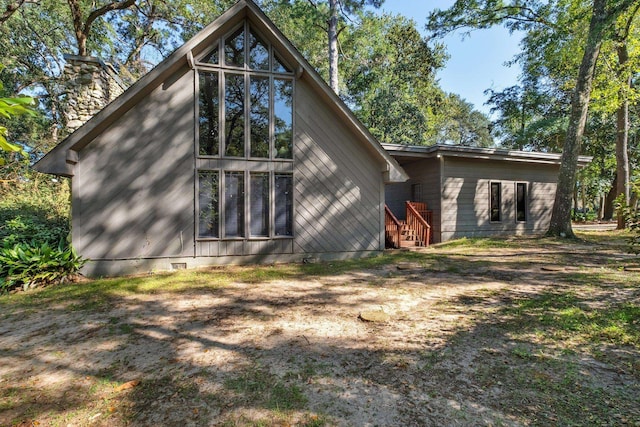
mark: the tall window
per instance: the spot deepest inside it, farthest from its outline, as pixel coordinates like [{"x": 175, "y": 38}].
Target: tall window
[
  {"x": 283, "y": 205},
  {"x": 234, "y": 204},
  {"x": 208, "y": 201},
  {"x": 245, "y": 139},
  {"x": 495, "y": 202},
  {"x": 259, "y": 204},
  {"x": 247, "y": 110},
  {"x": 521, "y": 201}
]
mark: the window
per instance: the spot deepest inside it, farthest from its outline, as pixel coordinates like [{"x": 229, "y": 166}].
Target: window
[
  {"x": 259, "y": 205},
  {"x": 234, "y": 115},
  {"x": 259, "y": 118},
  {"x": 245, "y": 111},
  {"x": 521, "y": 201},
  {"x": 208, "y": 196},
  {"x": 244, "y": 114},
  {"x": 234, "y": 204},
  {"x": 209, "y": 107},
  {"x": 495, "y": 201},
  {"x": 283, "y": 205},
  {"x": 267, "y": 192}
]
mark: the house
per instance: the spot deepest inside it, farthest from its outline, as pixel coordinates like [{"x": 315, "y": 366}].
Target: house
[
  {"x": 234, "y": 150},
  {"x": 474, "y": 192},
  {"x": 231, "y": 150}
]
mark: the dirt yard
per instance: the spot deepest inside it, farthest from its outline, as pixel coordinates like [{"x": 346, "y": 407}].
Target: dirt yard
[{"x": 520, "y": 332}]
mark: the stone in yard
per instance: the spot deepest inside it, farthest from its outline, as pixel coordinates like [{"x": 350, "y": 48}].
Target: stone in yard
[
  {"x": 552, "y": 268},
  {"x": 374, "y": 316}
]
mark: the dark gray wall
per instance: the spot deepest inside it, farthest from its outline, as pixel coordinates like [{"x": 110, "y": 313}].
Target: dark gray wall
[
  {"x": 133, "y": 189},
  {"x": 465, "y": 197},
  {"x": 339, "y": 200}
]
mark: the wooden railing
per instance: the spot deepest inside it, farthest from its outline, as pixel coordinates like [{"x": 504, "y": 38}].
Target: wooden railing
[
  {"x": 422, "y": 210},
  {"x": 392, "y": 228},
  {"x": 417, "y": 222}
]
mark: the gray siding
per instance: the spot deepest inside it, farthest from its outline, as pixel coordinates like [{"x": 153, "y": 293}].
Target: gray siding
[
  {"x": 465, "y": 197},
  {"x": 338, "y": 197},
  {"x": 134, "y": 184}
]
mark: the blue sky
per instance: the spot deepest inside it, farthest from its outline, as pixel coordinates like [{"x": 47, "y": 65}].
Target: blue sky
[{"x": 476, "y": 62}]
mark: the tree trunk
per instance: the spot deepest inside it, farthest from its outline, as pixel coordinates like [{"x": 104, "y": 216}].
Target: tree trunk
[
  {"x": 560, "y": 224},
  {"x": 609, "y": 209},
  {"x": 333, "y": 46},
  {"x": 622, "y": 137}
]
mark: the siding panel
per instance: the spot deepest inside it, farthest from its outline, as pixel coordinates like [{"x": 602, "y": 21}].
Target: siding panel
[
  {"x": 135, "y": 189},
  {"x": 337, "y": 183},
  {"x": 465, "y": 197}
]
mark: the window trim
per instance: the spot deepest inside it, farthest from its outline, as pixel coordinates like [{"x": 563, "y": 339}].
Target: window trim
[
  {"x": 525, "y": 201},
  {"x": 500, "y": 216}
]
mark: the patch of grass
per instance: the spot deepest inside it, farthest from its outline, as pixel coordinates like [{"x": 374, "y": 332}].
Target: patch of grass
[
  {"x": 260, "y": 387},
  {"x": 563, "y": 315}
]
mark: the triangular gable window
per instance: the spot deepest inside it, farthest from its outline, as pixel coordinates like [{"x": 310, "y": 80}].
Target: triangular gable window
[
  {"x": 278, "y": 65},
  {"x": 211, "y": 57},
  {"x": 234, "y": 48},
  {"x": 245, "y": 48},
  {"x": 258, "y": 53}
]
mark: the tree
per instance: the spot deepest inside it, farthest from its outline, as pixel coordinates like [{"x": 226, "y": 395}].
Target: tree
[
  {"x": 389, "y": 78},
  {"x": 330, "y": 16}
]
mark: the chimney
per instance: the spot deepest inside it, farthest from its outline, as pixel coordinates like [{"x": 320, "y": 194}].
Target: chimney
[{"x": 87, "y": 85}]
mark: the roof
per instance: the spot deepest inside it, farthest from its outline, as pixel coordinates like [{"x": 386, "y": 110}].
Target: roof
[
  {"x": 440, "y": 150},
  {"x": 61, "y": 159}
]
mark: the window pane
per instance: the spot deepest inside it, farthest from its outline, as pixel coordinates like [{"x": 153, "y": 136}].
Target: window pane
[
  {"x": 208, "y": 112},
  {"x": 283, "y": 116},
  {"x": 234, "y": 204},
  {"x": 259, "y": 120},
  {"x": 211, "y": 57},
  {"x": 234, "y": 115},
  {"x": 521, "y": 202},
  {"x": 259, "y": 204},
  {"x": 278, "y": 66},
  {"x": 208, "y": 196},
  {"x": 234, "y": 48},
  {"x": 495, "y": 201},
  {"x": 283, "y": 205},
  {"x": 258, "y": 53}
]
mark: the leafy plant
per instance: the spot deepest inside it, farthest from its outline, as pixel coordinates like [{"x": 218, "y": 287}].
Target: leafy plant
[
  {"x": 13, "y": 107},
  {"x": 31, "y": 265},
  {"x": 34, "y": 211},
  {"x": 632, "y": 219}
]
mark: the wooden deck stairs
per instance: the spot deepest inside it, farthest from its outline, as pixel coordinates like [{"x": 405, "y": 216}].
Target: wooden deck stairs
[{"x": 413, "y": 232}]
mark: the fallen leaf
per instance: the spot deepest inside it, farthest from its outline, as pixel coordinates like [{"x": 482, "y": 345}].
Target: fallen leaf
[{"x": 128, "y": 385}]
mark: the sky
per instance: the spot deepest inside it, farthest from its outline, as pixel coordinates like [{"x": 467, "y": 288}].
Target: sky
[{"x": 476, "y": 63}]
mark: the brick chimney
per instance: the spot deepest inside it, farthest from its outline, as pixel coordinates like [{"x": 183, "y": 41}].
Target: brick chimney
[{"x": 87, "y": 85}]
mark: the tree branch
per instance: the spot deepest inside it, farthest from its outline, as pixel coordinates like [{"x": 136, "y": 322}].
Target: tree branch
[
  {"x": 10, "y": 10},
  {"x": 125, "y": 4}
]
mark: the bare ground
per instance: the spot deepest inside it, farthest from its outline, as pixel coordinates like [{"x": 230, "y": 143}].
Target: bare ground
[{"x": 467, "y": 343}]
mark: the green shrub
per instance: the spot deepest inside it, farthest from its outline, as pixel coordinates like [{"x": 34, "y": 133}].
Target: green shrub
[
  {"x": 632, "y": 220},
  {"x": 34, "y": 211},
  {"x": 30, "y": 265}
]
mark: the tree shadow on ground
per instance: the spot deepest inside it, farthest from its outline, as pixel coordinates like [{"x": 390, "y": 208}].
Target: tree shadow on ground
[{"x": 255, "y": 353}]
